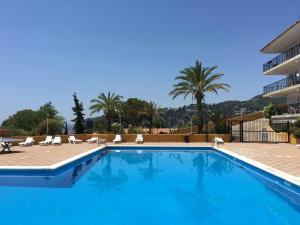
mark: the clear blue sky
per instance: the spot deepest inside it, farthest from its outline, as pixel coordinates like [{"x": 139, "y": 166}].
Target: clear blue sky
[{"x": 49, "y": 49}]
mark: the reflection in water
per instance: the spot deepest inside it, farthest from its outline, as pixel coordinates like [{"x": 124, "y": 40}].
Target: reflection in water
[
  {"x": 151, "y": 172},
  {"x": 195, "y": 204},
  {"x": 66, "y": 177},
  {"x": 133, "y": 158},
  {"x": 177, "y": 156},
  {"x": 199, "y": 163},
  {"x": 107, "y": 181},
  {"x": 219, "y": 165},
  {"x": 199, "y": 200}
]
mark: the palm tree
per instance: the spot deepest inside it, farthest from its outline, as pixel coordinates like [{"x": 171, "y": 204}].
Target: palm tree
[
  {"x": 151, "y": 172},
  {"x": 107, "y": 180},
  {"x": 150, "y": 110},
  {"x": 109, "y": 104},
  {"x": 197, "y": 81}
]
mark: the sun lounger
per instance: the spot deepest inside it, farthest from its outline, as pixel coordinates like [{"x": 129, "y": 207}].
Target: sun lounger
[
  {"x": 73, "y": 140},
  {"x": 139, "y": 139},
  {"x": 92, "y": 140},
  {"x": 56, "y": 141},
  {"x": 217, "y": 141},
  {"x": 118, "y": 139},
  {"x": 28, "y": 142},
  {"x": 48, "y": 141}
]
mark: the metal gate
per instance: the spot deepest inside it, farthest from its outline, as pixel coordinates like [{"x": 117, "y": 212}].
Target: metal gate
[{"x": 261, "y": 131}]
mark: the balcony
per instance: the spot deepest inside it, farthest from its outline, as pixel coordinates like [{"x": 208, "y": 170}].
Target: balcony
[
  {"x": 288, "y": 54},
  {"x": 287, "y": 112},
  {"x": 281, "y": 84}
]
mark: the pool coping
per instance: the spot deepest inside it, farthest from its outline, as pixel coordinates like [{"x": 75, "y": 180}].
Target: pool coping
[
  {"x": 268, "y": 169},
  {"x": 57, "y": 165}
]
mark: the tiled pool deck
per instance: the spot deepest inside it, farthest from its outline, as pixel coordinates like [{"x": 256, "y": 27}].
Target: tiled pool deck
[
  {"x": 282, "y": 157},
  {"x": 42, "y": 155}
]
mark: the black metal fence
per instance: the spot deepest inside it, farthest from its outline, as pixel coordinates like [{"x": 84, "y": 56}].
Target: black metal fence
[{"x": 261, "y": 131}]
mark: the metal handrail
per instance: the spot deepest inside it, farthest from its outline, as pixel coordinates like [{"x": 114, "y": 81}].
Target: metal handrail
[
  {"x": 276, "y": 85},
  {"x": 288, "y": 54},
  {"x": 284, "y": 83}
]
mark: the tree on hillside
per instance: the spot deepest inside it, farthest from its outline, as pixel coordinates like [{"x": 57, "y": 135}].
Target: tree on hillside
[
  {"x": 26, "y": 120},
  {"x": 150, "y": 111},
  {"x": 131, "y": 112},
  {"x": 197, "y": 81},
  {"x": 30, "y": 122},
  {"x": 109, "y": 104},
  {"x": 47, "y": 111},
  {"x": 79, "y": 116},
  {"x": 219, "y": 121},
  {"x": 53, "y": 126}
]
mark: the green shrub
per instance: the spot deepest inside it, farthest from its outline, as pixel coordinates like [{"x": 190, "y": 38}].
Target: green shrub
[
  {"x": 138, "y": 130},
  {"x": 297, "y": 123},
  {"x": 19, "y": 132},
  {"x": 296, "y": 133},
  {"x": 269, "y": 111},
  {"x": 54, "y": 127},
  {"x": 116, "y": 128}
]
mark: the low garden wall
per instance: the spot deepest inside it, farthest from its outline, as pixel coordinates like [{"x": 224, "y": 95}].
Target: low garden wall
[
  {"x": 147, "y": 137},
  {"x": 294, "y": 140}
]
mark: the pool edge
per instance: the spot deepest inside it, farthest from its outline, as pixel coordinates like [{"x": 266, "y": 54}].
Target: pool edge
[
  {"x": 261, "y": 166},
  {"x": 56, "y": 165}
]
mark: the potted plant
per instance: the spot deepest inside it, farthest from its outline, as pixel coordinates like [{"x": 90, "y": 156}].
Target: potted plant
[{"x": 296, "y": 131}]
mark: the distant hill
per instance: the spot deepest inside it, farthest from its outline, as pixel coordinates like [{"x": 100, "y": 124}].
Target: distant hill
[
  {"x": 181, "y": 116},
  {"x": 233, "y": 108}
]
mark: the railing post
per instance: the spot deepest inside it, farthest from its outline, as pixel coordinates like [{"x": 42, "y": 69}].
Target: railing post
[
  {"x": 241, "y": 131},
  {"x": 206, "y": 130},
  {"x": 288, "y": 130}
]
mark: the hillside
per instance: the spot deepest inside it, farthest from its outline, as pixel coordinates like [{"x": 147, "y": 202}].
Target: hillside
[
  {"x": 233, "y": 108},
  {"x": 181, "y": 116}
]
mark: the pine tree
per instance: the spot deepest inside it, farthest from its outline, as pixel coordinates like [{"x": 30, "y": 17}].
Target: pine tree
[
  {"x": 66, "y": 129},
  {"x": 79, "y": 116}
]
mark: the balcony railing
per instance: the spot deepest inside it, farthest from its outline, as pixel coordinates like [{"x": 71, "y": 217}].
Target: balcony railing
[
  {"x": 288, "y": 54},
  {"x": 284, "y": 83},
  {"x": 294, "y": 108},
  {"x": 276, "y": 85},
  {"x": 287, "y": 109}
]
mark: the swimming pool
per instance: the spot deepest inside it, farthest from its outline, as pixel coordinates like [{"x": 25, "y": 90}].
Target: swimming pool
[{"x": 144, "y": 186}]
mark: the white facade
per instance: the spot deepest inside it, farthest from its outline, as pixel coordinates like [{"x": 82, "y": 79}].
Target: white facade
[{"x": 287, "y": 64}]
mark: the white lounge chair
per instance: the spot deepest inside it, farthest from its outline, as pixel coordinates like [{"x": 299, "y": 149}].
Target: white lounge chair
[
  {"x": 48, "y": 141},
  {"x": 73, "y": 140},
  {"x": 298, "y": 146},
  {"x": 217, "y": 141},
  {"x": 28, "y": 142},
  {"x": 92, "y": 140},
  {"x": 56, "y": 141},
  {"x": 139, "y": 139},
  {"x": 118, "y": 139}
]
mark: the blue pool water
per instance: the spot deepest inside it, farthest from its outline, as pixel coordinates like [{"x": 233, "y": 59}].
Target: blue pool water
[{"x": 147, "y": 188}]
